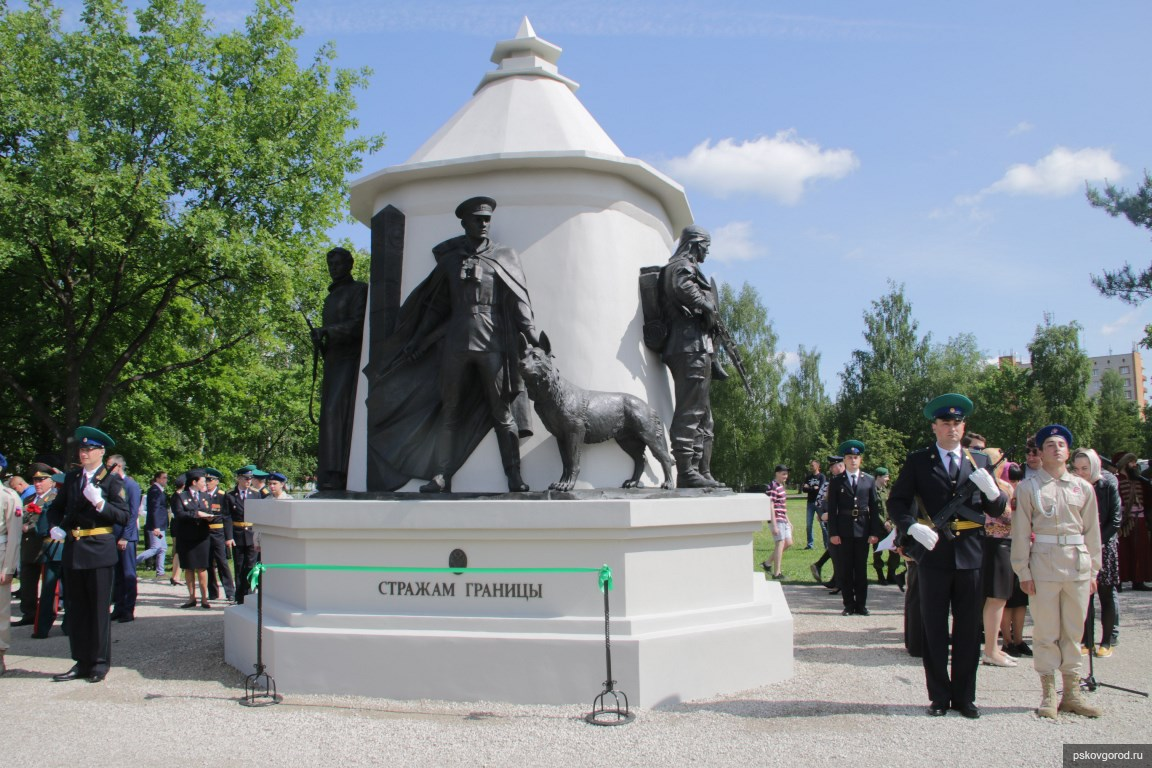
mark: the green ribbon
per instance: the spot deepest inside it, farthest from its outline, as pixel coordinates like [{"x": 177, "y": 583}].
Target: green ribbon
[{"x": 604, "y": 578}]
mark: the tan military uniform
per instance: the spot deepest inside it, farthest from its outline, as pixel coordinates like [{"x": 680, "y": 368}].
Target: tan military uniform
[
  {"x": 1062, "y": 560},
  {"x": 10, "y": 509}
]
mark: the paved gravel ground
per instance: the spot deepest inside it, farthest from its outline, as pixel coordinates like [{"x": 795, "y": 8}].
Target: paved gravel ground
[{"x": 857, "y": 699}]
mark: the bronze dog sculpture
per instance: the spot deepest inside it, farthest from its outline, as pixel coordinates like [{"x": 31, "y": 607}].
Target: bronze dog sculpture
[{"x": 576, "y": 416}]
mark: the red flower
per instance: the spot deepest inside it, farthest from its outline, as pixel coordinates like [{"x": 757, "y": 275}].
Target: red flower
[{"x": 33, "y": 509}]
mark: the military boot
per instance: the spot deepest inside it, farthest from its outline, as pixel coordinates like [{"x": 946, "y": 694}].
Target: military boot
[
  {"x": 438, "y": 484},
  {"x": 516, "y": 483},
  {"x": 1047, "y": 697},
  {"x": 687, "y": 476},
  {"x": 1074, "y": 701}
]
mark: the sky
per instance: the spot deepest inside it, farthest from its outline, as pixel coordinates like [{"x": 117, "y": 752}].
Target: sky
[{"x": 830, "y": 147}]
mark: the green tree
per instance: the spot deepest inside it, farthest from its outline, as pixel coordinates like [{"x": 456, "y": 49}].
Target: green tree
[
  {"x": 1008, "y": 407},
  {"x": 1060, "y": 373},
  {"x": 884, "y": 382},
  {"x": 1118, "y": 424},
  {"x": 1125, "y": 283},
  {"x": 164, "y": 193},
  {"x": 805, "y": 415},
  {"x": 747, "y": 444}
]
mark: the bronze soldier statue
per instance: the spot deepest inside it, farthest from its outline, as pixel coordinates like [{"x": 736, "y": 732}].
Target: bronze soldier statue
[
  {"x": 481, "y": 306},
  {"x": 691, "y": 314},
  {"x": 338, "y": 340}
]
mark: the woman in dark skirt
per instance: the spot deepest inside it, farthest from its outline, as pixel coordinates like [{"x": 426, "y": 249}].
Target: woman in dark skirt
[
  {"x": 996, "y": 573},
  {"x": 192, "y": 542},
  {"x": 1086, "y": 464}
]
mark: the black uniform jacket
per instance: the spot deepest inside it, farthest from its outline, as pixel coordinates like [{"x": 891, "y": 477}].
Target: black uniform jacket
[
  {"x": 71, "y": 510},
  {"x": 924, "y": 475},
  {"x": 853, "y": 514},
  {"x": 234, "y": 507}
]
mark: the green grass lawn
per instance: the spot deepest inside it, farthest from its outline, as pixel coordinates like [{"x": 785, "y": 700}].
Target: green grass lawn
[{"x": 796, "y": 558}]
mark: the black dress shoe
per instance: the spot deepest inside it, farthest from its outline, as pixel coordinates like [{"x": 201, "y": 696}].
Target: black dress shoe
[
  {"x": 24, "y": 621},
  {"x": 863, "y": 612},
  {"x": 116, "y": 616},
  {"x": 72, "y": 674},
  {"x": 1024, "y": 650},
  {"x": 970, "y": 711},
  {"x": 97, "y": 677},
  {"x": 39, "y": 635},
  {"x": 834, "y": 592},
  {"x": 126, "y": 618},
  {"x": 935, "y": 711},
  {"x": 846, "y": 612}
]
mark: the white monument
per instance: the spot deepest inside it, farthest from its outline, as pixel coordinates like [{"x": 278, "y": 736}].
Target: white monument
[{"x": 689, "y": 617}]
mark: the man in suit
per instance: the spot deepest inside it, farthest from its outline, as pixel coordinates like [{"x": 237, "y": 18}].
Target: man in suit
[
  {"x": 853, "y": 525},
  {"x": 156, "y": 521},
  {"x": 218, "y": 539},
  {"x": 238, "y": 531},
  {"x": 88, "y": 504},
  {"x": 949, "y": 567},
  {"x": 124, "y": 587}
]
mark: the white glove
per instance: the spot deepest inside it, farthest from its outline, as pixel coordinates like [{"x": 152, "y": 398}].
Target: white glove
[
  {"x": 93, "y": 493},
  {"x": 56, "y": 533},
  {"x": 986, "y": 484},
  {"x": 925, "y": 535}
]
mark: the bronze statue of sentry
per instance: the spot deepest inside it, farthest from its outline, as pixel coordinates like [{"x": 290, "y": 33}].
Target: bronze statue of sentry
[{"x": 449, "y": 372}]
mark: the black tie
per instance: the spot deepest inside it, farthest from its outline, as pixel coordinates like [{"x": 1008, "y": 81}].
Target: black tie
[
  {"x": 953, "y": 468},
  {"x": 852, "y": 482}
]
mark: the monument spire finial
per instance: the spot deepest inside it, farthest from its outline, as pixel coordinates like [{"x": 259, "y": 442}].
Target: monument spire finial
[{"x": 526, "y": 55}]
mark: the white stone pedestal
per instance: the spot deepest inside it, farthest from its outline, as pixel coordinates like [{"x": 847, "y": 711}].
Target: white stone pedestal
[{"x": 689, "y": 619}]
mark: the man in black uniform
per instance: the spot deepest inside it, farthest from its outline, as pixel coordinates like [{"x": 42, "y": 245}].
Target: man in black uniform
[
  {"x": 853, "y": 524},
  {"x": 88, "y": 504},
  {"x": 949, "y": 567},
  {"x": 239, "y": 532},
  {"x": 219, "y": 541}
]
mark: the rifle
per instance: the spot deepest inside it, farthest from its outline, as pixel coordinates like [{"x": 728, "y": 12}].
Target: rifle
[
  {"x": 957, "y": 505},
  {"x": 315, "y": 367},
  {"x": 720, "y": 332}
]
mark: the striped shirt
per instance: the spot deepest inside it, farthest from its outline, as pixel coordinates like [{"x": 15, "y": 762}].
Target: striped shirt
[{"x": 779, "y": 495}]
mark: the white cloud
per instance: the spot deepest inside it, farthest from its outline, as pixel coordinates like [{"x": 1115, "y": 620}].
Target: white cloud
[
  {"x": 1121, "y": 323},
  {"x": 791, "y": 360},
  {"x": 777, "y": 167},
  {"x": 1061, "y": 172},
  {"x": 1021, "y": 127},
  {"x": 734, "y": 242}
]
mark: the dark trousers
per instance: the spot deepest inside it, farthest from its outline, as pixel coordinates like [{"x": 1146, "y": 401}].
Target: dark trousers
[
  {"x": 218, "y": 560},
  {"x": 692, "y": 378},
  {"x": 878, "y": 565},
  {"x": 913, "y": 621},
  {"x": 49, "y": 600},
  {"x": 1109, "y": 612},
  {"x": 955, "y": 591},
  {"x": 244, "y": 556},
  {"x": 124, "y": 582},
  {"x": 29, "y": 588},
  {"x": 851, "y": 558},
  {"x": 87, "y": 598}
]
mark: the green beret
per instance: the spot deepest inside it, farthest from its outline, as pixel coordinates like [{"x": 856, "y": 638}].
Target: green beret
[
  {"x": 881, "y": 471},
  {"x": 950, "y": 406},
  {"x": 259, "y": 473}
]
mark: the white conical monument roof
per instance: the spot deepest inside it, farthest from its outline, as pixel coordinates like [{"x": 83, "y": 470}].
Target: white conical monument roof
[
  {"x": 525, "y": 105},
  {"x": 523, "y": 114}
]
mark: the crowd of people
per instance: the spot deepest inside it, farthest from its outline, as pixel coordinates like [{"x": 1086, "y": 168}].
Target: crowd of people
[
  {"x": 73, "y": 539},
  {"x": 982, "y": 540}
]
